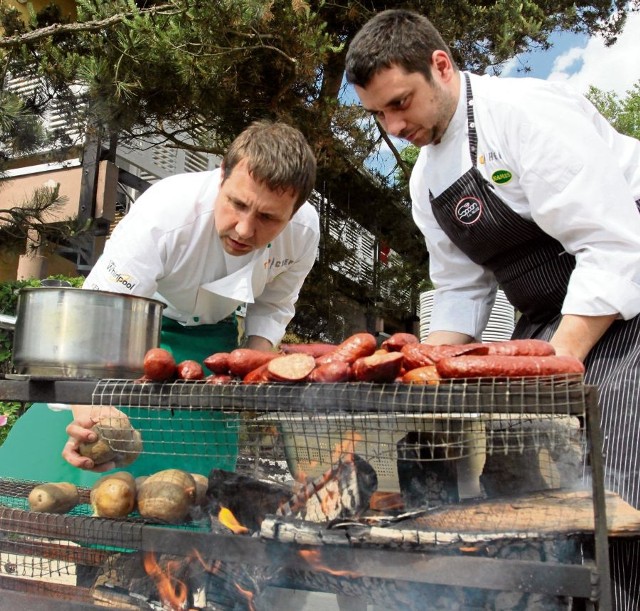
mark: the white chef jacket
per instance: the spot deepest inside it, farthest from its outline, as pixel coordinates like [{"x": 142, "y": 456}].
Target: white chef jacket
[
  {"x": 551, "y": 157},
  {"x": 167, "y": 247}
]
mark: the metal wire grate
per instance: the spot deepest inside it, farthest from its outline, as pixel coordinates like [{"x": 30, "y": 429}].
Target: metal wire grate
[{"x": 456, "y": 454}]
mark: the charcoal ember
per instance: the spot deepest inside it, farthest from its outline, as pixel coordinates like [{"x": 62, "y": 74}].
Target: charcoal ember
[
  {"x": 249, "y": 499},
  {"x": 124, "y": 583},
  {"x": 232, "y": 586},
  {"x": 426, "y": 475},
  {"x": 532, "y": 455}
]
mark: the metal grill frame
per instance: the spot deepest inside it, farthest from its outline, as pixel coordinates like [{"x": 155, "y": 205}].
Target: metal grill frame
[{"x": 589, "y": 582}]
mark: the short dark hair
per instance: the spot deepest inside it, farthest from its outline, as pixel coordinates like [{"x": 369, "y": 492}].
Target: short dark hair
[
  {"x": 278, "y": 155},
  {"x": 394, "y": 37}
]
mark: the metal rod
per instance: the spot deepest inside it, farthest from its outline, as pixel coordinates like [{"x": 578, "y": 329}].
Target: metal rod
[
  {"x": 398, "y": 565},
  {"x": 547, "y": 577},
  {"x": 515, "y": 397},
  {"x": 52, "y": 591},
  {"x": 54, "y": 551},
  {"x": 599, "y": 503}
]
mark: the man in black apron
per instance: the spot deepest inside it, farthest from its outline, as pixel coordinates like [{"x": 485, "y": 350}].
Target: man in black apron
[{"x": 521, "y": 184}]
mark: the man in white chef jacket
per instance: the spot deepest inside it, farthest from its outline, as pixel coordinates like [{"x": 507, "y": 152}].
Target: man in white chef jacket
[
  {"x": 202, "y": 243},
  {"x": 522, "y": 184}
]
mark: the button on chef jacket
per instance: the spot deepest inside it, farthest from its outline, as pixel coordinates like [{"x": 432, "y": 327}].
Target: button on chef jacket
[
  {"x": 168, "y": 248},
  {"x": 551, "y": 158}
]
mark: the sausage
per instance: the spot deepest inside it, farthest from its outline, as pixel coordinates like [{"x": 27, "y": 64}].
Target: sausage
[
  {"x": 505, "y": 366},
  {"x": 377, "y": 367},
  {"x": 258, "y": 375},
  {"x": 522, "y": 347},
  {"x": 352, "y": 348},
  {"x": 315, "y": 350},
  {"x": 420, "y": 355},
  {"x": 397, "y": 340},
  {"x": 190, "y": 370},
  {"x": 217, "y": 363},
  {"x": 219, "y": 378},
  {"x": 291, "y": 367},
  {"x": 159, "y": 365},
  {"x": 422, "y": 375},
  {"x": 337, "y": 371},
  {"x": 243, "y": 360}
]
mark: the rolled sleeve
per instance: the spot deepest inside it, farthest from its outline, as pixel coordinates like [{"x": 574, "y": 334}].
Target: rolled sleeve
[
  {"x": 591, "y": 211},
  {"x": 272, "y": 311}
]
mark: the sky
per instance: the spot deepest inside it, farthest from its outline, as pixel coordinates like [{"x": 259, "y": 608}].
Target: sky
[
  {"x": 579, "y": 60},
  {"x": 582, "y": 61}
]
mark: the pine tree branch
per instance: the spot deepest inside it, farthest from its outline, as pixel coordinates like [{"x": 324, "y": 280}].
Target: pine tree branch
[{"x": 87, "y": 26}]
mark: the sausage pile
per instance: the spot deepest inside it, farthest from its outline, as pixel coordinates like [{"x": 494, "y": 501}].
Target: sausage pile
[{"x": 400, "y": 358}]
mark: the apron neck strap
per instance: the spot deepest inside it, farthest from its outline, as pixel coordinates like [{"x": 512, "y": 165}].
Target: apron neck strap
[{"x": 473, "y": 136}]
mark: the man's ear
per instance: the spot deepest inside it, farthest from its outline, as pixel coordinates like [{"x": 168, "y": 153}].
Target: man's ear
[
  {"x": 222, "y": 173},
  {"x": 441, "y": 65}
]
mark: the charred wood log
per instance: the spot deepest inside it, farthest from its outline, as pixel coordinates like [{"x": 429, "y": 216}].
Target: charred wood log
[
  {"x": 343, "y": 490},
  {"x": 426, "y": 473},
  {"x": 249, "y": 499}
]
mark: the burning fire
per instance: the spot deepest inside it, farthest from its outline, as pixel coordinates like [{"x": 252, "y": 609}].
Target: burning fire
[
  {"x": 313, "y": 558},
  {"x": 345, "y": 449},
  {"x": 227, "y": 518},
  {"x": 172, "y": 592},
  {"x": 248, "y": 596}
]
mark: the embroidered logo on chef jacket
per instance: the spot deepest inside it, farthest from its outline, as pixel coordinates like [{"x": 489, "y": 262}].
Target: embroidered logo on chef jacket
[
  {"x": 119, "y": 277},
  {"x": 271, "y": 263},
  {"x": 468, "y": 210},
  {"x": 501, "y": 177}
]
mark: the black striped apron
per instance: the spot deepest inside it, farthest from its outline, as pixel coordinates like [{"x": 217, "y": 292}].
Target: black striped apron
[{"x": 533, "y": 269}]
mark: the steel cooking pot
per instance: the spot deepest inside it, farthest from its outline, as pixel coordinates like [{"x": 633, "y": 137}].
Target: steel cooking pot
[{"x": 76, "y": 333}]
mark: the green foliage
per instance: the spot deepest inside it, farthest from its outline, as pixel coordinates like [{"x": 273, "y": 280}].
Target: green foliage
[
  {"x": 623, "y": 113},
  {"x": 409, "y": 156},
  {"x": 205, "y": 68}
]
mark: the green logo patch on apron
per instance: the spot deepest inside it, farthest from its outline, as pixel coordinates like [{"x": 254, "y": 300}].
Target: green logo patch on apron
[{"x": 501, "y": 176}]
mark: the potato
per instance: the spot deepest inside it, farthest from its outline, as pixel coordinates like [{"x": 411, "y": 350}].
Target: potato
[
  {"x": 202, "y": 483},
  {"x": 54, "y": 497},
  {"x": 117, "y": 441},
  {"x": 140, "y": 480},
  {"x": 175, "y": 476},
  {"x": 114, "y": 495},
  {"x": 167, "y": 496}
]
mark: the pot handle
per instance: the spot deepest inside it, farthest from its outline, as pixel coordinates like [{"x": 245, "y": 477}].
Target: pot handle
[{"x": 7, "y": 321}]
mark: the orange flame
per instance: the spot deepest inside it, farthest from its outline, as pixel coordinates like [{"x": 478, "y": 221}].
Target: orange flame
[
  {"x": 346, "y": 447},
  {"x": 313, "y": 558},
  {"x": 172, "y": 591},
  {"x": 227, "y": 518},
  {"x": 328, "y": 502},
  {"x": 213, "y": 568},
  {"x": 248, "y": 595}
]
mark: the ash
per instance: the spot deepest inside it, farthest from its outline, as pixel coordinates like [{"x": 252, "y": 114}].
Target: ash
[{"x": 264, "y": 468}]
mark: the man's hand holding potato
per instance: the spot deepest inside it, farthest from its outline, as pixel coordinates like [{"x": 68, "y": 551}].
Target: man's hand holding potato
[{"x": 101, "y": 438}]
